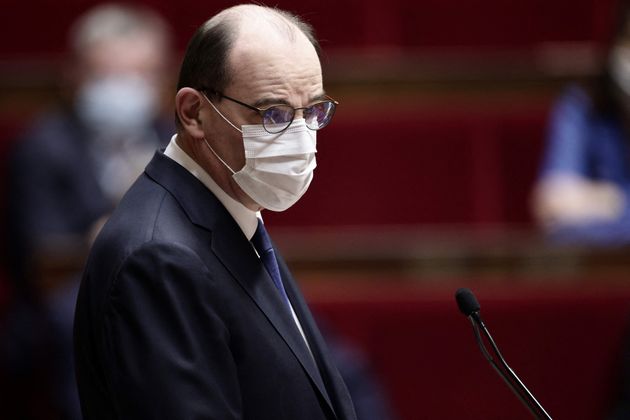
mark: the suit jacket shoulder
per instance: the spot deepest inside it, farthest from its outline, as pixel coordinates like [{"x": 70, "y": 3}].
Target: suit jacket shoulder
[{"x": 177, "y": 317}]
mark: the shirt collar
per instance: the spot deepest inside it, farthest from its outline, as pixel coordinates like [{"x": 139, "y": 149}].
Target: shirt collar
[{"x": 244, "y": 217}]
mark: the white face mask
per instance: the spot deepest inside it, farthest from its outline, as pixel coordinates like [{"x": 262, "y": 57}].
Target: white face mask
[
  {"x": 118, "y": 104},
  {"x": 278, "y": 167}
]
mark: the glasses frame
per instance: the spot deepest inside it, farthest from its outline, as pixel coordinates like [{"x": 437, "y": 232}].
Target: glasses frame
[{"x": 261, "y": 111}]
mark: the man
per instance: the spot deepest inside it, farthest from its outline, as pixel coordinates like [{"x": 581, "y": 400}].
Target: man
[
  {"x": 68, "y": 171},
  {"x": 186, "y": 310}
]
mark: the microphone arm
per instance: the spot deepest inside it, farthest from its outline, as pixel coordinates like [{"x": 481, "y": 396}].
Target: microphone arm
[
  {"x": 469, "y": 306},
  {"x": 507, "y": 374}
]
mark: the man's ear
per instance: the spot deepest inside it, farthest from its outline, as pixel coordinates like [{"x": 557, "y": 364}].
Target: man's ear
[{"x": 188, "y": 106}]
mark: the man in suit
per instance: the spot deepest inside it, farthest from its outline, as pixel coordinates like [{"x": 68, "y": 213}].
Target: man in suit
[{"x": 186, "y": 310}]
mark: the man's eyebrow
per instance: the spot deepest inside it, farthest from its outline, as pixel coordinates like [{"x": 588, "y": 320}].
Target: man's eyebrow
[
  {"x": 261, "y": 103},
  {"x": 319, "y": 97}
]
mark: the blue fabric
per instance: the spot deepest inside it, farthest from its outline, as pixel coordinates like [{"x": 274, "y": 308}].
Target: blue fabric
[
  {"x": 262, "y": 243},
  {"x": 585, "y": 143},
  {"x": 589, "y": 144}
]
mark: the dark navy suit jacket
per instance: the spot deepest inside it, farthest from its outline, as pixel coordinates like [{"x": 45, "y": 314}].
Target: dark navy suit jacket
[{"x": 177, "y": 317}]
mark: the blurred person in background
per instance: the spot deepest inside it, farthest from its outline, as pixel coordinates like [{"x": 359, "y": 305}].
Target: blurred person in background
[
  {"x": 583, "y": 193},
  {"x": 66, "y": 174}
]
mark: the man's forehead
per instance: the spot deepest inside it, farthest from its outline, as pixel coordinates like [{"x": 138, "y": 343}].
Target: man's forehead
[
  {"x": 251, "y": 50},
  {"x": 270, "y": 57},
  {"x": 252, "y": 54},
  {"x": 276, "y": 68}
]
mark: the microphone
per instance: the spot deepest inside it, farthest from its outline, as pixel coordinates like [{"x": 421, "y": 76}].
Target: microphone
[
  {"x": 467, "y": 302},
  {"x": 469, "y": 306}
]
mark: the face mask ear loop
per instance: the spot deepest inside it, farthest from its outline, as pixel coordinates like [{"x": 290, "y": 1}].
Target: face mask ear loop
[
  {"x": 219, "y": 112},
  {"x": 218, "y": 157}
]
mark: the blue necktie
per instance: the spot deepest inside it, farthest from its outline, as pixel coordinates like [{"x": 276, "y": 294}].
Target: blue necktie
[{"x": 263, "y": 246}]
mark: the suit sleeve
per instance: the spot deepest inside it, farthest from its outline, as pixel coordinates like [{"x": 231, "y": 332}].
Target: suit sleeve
[{"x": 167, "y": 346}]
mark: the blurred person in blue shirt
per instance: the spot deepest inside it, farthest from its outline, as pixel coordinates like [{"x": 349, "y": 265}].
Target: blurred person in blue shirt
[
  {"x": 66, "y": 173},
  {"x": 583, "y": 194}
]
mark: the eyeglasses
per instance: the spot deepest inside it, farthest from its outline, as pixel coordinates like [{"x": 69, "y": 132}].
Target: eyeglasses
[{"x": 277, "y": 118}]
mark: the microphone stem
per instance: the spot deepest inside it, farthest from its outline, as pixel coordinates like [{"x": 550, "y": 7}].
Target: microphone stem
[{"x": 511, "y": 379}]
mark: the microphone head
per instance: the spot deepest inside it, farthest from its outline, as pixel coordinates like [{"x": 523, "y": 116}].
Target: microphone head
[{"x": 466, "y": 301}]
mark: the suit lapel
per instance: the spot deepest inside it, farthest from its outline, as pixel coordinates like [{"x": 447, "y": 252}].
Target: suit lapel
[
  {"x": 237, "y": 255},
  {"x": 340, "y": 397},
  {"x": 240, "y": 259}
]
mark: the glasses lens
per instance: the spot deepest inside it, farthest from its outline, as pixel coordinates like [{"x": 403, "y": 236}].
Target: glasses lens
[
  {"x": 278, "y": 118},
  {"x": 319, "y": 115}
]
